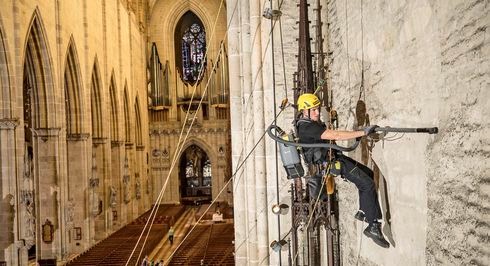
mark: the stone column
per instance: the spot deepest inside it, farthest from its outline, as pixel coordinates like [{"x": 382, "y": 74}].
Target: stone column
[
  {"x": 9, "y": 231},
  {"x": 248, "y": 125},
  {"x": 272, "y": 95},
  {"x": 262, "y": 207},
  {"x": 128, "y": 182},
  {"x": 138, "y": 177},
  {"x": 116, "y": 185},
  {"x": 48, "y": 195},
  {"x": 78, "y": 160},
  {"x": 98, "y": 189},
  {"x": 154, "y": 158},
  {"x": 236, "y": 129}
]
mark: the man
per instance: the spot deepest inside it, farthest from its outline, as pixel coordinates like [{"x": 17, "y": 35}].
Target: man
[
  {"x": 171, "y": 235},
  {"x": 145, "y": 261},
  {"x": 311, "y": 129}
]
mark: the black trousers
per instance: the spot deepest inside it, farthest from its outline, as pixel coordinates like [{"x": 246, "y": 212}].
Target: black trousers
[
  {"x": 316, "y": 187},
  {"x": 363, "y": 178}
]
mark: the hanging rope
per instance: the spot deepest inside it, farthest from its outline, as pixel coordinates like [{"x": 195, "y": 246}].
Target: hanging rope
[
  {"x": 347, "y": 46},
  {"x": 179, "y": 145},
  {"x": 263, "y": 58},
  {"x": 282, "y": 56},
  {"x": 310, "y": 216},
  {"x": 232, "y": 178},
  {"x": 153, "y": 213},
  {"x": 330, "y": 127},
  {"x": 274, "y": 110},
  {"x": 361, "y": 88}
]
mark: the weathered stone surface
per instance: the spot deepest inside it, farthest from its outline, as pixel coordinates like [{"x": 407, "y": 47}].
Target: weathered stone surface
[{"x": 425, "y": 64}]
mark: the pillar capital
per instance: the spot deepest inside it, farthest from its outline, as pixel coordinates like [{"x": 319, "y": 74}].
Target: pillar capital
[
  {"x": 78, "y": 137},
  {"x": 99, "y": 141},
  {"x": 45, "y": 133},
  {"x": 117, "y": 143},
  {"x": 8, "y": 123},
  {"x": 128, "y": 145}
]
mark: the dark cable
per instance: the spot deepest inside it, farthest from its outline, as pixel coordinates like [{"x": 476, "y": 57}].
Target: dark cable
[{"x": 275, "y": 124}]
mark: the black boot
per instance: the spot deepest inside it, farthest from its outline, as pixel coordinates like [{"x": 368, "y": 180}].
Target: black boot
[
  {"x": 360, "y": 216},
  {"x": 373, "y": 231}
]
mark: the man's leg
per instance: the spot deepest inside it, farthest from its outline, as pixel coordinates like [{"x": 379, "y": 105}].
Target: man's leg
[{"x": 362, "y": 177}]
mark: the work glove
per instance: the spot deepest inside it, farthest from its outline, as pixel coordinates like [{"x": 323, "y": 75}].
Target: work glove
[{"x": 370, "y": 129}]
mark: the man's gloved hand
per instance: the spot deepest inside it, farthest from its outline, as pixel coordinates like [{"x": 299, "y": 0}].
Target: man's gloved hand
[{"x": 370, "y": 129}]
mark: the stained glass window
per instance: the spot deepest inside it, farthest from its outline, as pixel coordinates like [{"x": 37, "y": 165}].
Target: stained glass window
[
  {"x": 207, "y": 169},
  {"x": 189, "y": 169},
  {"x": 206, "y": 172},
  {"x": 192, "y": 37}
]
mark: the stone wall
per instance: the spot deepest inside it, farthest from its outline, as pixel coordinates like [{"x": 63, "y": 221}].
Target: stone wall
[
  {"x": 459, "y": 181},
  {"x": 425, "y": 63},
  {"x": 93, "y": 42},
  {"x": 413, "y": 64}
]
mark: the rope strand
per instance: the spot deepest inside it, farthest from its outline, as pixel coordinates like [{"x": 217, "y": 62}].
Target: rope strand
[{"x": 179, "y": 146}]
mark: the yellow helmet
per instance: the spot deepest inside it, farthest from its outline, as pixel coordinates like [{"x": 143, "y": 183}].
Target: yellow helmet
[{"x": 307, "y": 101}]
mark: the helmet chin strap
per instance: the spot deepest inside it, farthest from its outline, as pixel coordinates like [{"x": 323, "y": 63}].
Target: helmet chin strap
[{"x": 306, "y": 115}]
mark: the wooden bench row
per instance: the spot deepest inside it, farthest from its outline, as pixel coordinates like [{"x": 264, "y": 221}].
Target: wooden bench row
[
  {"x": 210, "y": 244},
  {"x": 117, "y": 248}
]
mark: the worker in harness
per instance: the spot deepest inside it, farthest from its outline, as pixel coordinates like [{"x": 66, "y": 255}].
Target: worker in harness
[{"x": 310, "y": 129}]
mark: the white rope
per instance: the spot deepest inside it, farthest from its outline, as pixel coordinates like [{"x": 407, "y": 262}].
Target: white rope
[{"x": 180, "y": 145}]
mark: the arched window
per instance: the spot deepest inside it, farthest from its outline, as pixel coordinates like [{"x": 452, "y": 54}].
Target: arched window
[
  {"x": 190, "y": 38},
  {"x": 206, "y": 173},
  {"x": 189, "y": 169},
  {"x": 206, "y": 170}
]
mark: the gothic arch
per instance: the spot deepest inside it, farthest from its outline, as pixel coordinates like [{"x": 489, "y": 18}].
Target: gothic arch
[
  {"x": 138, "y": 131},
  {"x": 73, "y": 91},
  {"x": 96, "y": 101},
  {"x": 177, "y": 9},
  {"x": 5, "y": 93},
  {"x": 98, "y": 154},
  {"x": 127, "y": 115},
  {"x": 201, "y": 144},
  {"x": 195, "y": 174},
  {"x": 38, "y": 76},
  {"x": 114, "y": 109},
  {"x": 182, "y": 7},
  {"x": 190, "y": 47},
  {"x": 164, "y": 21},
  {"x": 40, "y": 108}
]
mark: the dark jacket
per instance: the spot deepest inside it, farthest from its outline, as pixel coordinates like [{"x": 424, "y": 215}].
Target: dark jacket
[{"x": 310, "y": 131}]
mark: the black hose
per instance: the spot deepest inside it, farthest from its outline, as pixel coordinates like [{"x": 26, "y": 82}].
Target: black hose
[
  {"x": 309, "y": 145},
  {"x": 429, "y": 130}
]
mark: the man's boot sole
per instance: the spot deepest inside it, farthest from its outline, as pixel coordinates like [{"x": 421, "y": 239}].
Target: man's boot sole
[
  {"x": 377, "y": 241},
  {"x": 360, "y": 217}
]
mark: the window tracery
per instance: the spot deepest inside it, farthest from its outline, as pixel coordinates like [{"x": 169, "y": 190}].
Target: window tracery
[
  {"x": 191, "y": 37},
  {"x": 193, "y": 52}
]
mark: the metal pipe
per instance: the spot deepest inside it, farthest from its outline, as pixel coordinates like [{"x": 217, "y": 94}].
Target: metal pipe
[{"x": 428, "y": 130}]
